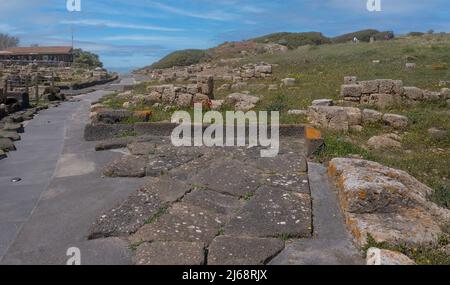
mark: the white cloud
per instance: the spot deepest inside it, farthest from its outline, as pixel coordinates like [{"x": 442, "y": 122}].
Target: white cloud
[
  {"x": 9, "y": 29},
  {"x": 217, "y": 15},
  {"x": 165, "y": 40},
  {"x": 112, "y": 24},
  {"x": 252, "y": 9}
]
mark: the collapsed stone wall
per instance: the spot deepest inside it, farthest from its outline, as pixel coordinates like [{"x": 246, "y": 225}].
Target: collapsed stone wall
[
  {"x": 343, "y": 119},
  {"x": 179, "y": 95},
  {"x": 386, "y": 92},
  {"x": 219, "y": 72},
  {"x": 170, "y": 96},
  {"x": 251, "y": 71}
]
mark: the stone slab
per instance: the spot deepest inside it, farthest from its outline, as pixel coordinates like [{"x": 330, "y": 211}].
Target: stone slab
[
  {"x": 127, "y": 166},
  {"x": 225, "y": 205},
  {"x": 183, "y": 222},
  {"x": 127, "y": 217},
  {"x": 226, "y": 250},
  {"x": 170, "y": 253},
  {"x": 229, "y": 176},
  {"x": 274, "y": 213}
]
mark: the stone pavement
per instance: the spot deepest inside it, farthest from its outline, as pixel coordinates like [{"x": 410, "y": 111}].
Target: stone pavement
[
  {"x": 61, "y": 191},
  {"x": 210, "y": 205}
]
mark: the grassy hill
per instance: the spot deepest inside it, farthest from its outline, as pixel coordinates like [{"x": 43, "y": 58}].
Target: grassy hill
[
  {"x": 363, "y": 36},
  {"x": 294, "y": 40},
  {"x": 253, "y": 46},
  {"x": 181, "y": 58},
  {"x": 320, "y": 69}
]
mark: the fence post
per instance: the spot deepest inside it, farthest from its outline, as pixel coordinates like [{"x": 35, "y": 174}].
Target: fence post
[
  {"x": 4, "y": 92},
  {"x": 27, "y": 83},
  {"x": 36, "y": 88},
  {"x": 53, "y": 80}
]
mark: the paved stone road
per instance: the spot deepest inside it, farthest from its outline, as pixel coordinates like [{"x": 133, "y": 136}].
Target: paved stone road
[
  {"x": 222, "y": 206},
  {"x": 61, "y": 192},
  {"x": 159, "y": 204}
]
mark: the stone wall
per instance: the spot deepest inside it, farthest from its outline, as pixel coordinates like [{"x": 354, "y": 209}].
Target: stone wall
[
  {"x": 182, "y": 96},
  {"x": 344, "y": 119},
  {"x": 386, "y": 92},
  {"x": 251, "y": 71},
  {"x": 219, "y": 72}
]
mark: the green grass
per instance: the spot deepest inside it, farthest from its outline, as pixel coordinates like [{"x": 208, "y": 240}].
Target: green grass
[
  {"x": 424, "y": 158},
  {"x": 248, "y": 196},
  {"x": 294, "y": 40},
  {"x": 221, "y": 232},
  {"x": 181, "y": 58},
  {"x": 319, "y": 72},
  {"x": 338, "y": 145},
  {"x": 284, "y": 237},
  {"x": 135, "y": 246},
  {"x": 126, "y": 134},
  {"x": 156, "y": 216}
]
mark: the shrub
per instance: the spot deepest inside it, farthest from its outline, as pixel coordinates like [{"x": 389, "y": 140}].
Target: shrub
[
  {"x": 364, "y": 36},
  {"x": 181, "y": 58},
  {"x": 294, "y": 40},
  {"x": 7, "y": 41},
  {"x": 86, "y": 59},
  {"x": 415, "y": 34}
]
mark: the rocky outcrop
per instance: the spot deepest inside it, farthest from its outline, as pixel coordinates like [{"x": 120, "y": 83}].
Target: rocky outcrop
[
  {"x": 396, "y": 121},
  {"x": 287, "y": 82},
  {"x": 376, "y": 256},
  {"x": 385, "y": 203},
  {"x": 385, "y": 141},
  {"x": 438, "y": 134},
  {"x": 323, "y": 102}
]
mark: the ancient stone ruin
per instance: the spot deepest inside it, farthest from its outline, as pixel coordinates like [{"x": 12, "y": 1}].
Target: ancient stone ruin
[
  {"x": 179, "y": 95},
  {"x": 385, "y": 203},
  {"x": 387, "y": 92},
  {"x": 344, "y": 119},
  {"x": 218, "y": 72}
]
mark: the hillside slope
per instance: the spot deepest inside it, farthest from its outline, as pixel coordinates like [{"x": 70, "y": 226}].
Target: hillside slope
[{"x": 262, "y": 45}]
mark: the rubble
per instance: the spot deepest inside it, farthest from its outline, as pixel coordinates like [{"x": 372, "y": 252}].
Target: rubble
[
  {"x": 385, "y": 92},
  {"x": 241, "y": 102}
]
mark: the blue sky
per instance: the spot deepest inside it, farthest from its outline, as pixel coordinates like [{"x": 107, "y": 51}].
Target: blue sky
[{"x": 129, "y": 34}]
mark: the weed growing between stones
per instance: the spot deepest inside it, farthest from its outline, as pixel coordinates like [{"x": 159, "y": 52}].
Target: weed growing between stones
[
  {"x": 156, "y": 216},
  {"x": 284, "y": 237},
  {"x": 126, "y": 134}
]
